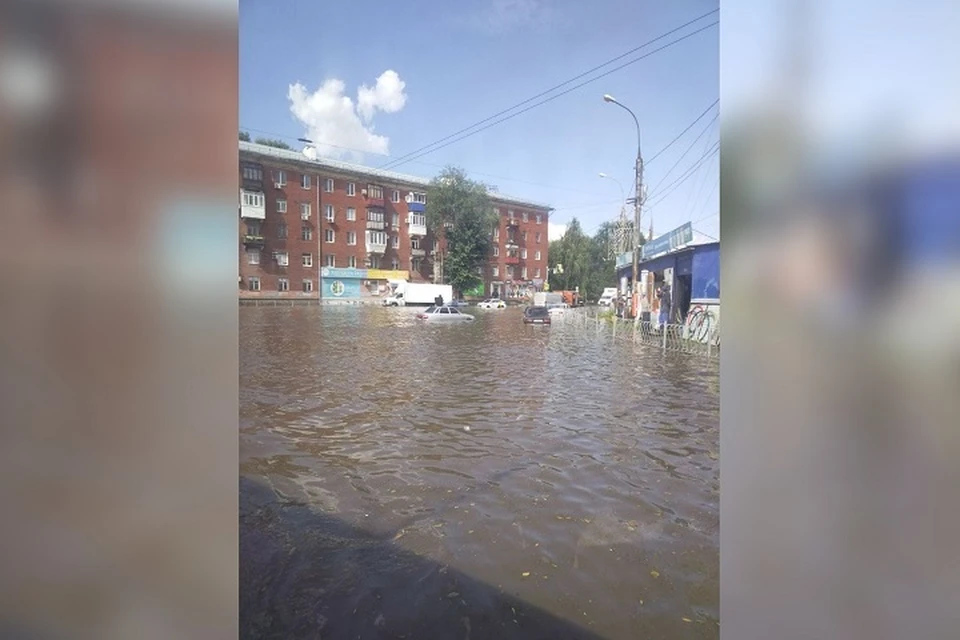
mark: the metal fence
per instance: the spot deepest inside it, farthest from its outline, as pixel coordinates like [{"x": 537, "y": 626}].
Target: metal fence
[{"x": 692, "y": 337}]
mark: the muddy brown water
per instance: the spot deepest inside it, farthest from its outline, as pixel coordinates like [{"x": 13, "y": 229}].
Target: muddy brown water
[{"x": 402, "y": 480}]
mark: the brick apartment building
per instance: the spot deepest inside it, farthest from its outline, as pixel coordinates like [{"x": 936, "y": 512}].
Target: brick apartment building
[{"x": 329, "y": 229}]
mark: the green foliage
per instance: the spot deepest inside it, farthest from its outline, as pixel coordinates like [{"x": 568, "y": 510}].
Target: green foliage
[
  {"x": 244, "y": 136},
  {"x": 588, "y": 263},
  {"x": 462, "y": 213},
  {"x": 278, "y": 144}
]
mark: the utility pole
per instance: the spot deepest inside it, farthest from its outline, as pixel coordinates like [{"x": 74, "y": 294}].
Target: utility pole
[{"x": 637, "y": 204}]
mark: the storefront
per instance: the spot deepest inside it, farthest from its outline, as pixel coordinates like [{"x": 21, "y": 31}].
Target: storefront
[
  {"x": 693, "y": 274},
  {"x": 357, "y": 286}
]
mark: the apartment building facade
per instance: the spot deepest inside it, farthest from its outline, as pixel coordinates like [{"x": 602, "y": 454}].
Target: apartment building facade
[{"x": 325, "y": 229}]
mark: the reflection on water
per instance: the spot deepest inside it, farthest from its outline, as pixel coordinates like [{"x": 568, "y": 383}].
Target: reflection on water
[{"x": 534, "y": 468}]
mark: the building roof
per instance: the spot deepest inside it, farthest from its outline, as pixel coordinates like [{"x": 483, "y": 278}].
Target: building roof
[{"x": 290, "y": 155}]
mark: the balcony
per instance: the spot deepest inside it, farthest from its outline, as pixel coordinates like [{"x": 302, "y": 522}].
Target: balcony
[
  {"x": 376, "y": 248},
  {"x": 417, "y": 226},
  {"x": 252, "y": 240},
  {"x": 376, "y": 225},
  {"x": 418, "y": 253},
  {"x": 376, "y": 203},
  {"x": 512, "y": 260},
  {"x": 513, "y": 222},
  {"x": 252, "y": 205}
]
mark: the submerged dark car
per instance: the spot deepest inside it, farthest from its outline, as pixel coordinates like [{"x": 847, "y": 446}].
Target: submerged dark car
[{"x": 536, "y": 315}]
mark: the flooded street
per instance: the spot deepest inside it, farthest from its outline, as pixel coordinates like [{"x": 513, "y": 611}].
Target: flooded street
[{"x": 484, "y": 480}]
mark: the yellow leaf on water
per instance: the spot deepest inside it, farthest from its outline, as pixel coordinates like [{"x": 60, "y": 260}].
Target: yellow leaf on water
[
  {"x": 526, "y": 573},
  {"x": 655, "y": 573},
  {"x": 687, "y": 620}
]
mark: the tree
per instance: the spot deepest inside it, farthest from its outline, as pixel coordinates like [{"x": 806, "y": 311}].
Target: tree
[
  {"x": 461, "y": 213},
  {"x": 244, "y": 136},
  {"x": 279, "y": 144},
  {"x": 588, "y": 263}
]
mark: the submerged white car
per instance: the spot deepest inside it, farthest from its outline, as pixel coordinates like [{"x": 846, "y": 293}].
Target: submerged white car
[
  {"x": 444, "y": 313},
  {"x": 492, "y": 303}
]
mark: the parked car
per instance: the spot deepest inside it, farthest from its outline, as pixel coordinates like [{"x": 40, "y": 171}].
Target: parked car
[
  {"x": 557, "y": 309},
  {"x": 536, "y": 315},
  {"x": 492, "y": 303},
  {"x": 458, "y": 303},
  {"x": 444, "y": 313}
]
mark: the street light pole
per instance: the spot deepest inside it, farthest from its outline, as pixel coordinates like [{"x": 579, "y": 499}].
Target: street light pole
[{"x": 637, "y": 202}]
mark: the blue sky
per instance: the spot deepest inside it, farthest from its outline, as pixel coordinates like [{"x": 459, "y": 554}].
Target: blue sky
[{"x": 462, "y": 62}]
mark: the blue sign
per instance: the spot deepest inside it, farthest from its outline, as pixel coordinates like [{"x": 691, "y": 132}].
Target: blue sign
[
  {"x": 666, "y": 243},
  {"x": 624, "y": 259},
  {"x": 346, "y": 288},
  {"x": 416, "y": 207},
  {"x": 336, "y": 272}
]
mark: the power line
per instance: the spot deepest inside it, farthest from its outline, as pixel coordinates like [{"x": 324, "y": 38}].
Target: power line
[
  {"x": 426, "y": 149},
  {"x": 680, "y": 135},
  {"x": 684, "y": 154},
  {"x": 428, "y": 164},
  {"x": 686, "y": 175}
]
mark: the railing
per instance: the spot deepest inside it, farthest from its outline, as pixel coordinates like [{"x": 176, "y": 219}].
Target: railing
[
  {"x": 690, "y": 337},
  {"x": 252, "y": 239},
  {"x": 376, "y": 202},
  {"x": 416, "y": 229},
  {"x": 513, "y": 222},
  {"x": 378, "y": 225},
  {"x": 512, "y": 259},
  {"x": 376, "y": 248},
  {"x": 418, "y": 252}
]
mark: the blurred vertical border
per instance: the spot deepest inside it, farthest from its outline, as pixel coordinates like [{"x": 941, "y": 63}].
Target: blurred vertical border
[
  {"x": 840, "y": 426},
  {"x": 118, "y": 125}
]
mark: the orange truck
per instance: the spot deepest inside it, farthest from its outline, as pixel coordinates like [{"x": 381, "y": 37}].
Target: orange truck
[{"x": 572, "y": 298}]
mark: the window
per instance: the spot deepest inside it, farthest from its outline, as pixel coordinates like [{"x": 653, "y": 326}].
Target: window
[
  {"x": 395, "y": 242},
  {"x": 523, "y": 253},
  {"x": 351, "y": 237},
  {"x": 374, "y": 262},
  {"x": 328, "y": 185},
  {"x": 377, "y": 237},
  {"x": 253, "y": 256},
  {"x": 496, "y": 211},
  {"x": 307, "y": 260},
  {"x": 305, "y": 181},
  {"x": 523, "y": 236},
  {"x": 330, "y": 260},
  {"x": 283, "y": 259},
  {"x": 415, "y": 243},
  {"x": 351, "y": 189},
  {"x": 526, "y": 217},
  {"x": 445, "y": 310},
  {"x": 351, "y": 213},
  {"x": 523, "y": 273},
  {"x": 375, "y": 192},
  {"x": 251, "y": 198},
  {"x": 495, "y": 272},
  {"x": 253, "y": 172},
  {"x": 396, "y": 196},
  {"x": 510, "y": 213},
  {"x": 329, "y": 213},
  {"x": 510, "y": 272},
  {"x": 537, "y": 273},
  {"x": 253, "y": 228},
  {"x": 420, "y": 197},
  {"x": 283, "y": 284},
  {"x": 539, "y": 221},
  {"x": 352, "y": 262},
  {"x": 374, "y": 215},
  {"x": 496, "y": 251},
  {"x": 395, "y": 219},
  {"x": 539, "y": 237},
  {"x": 306, "y": 232},
  {"x": 496, "y": 233},
  {"x": 537, "y": 255},
  {"x": 305, "y": 211},
  {"x": 281, "y": 230},
  {"x": 281, "y": 206},
  {"x": 253, "y": 283},
  {"x": 415, "y": 264},
  {"x": 280, "y": 177},
  {"x": 328, "y": 235},
  {"x": 395, "y": 264},
  {"x": 307, "y": 286}
]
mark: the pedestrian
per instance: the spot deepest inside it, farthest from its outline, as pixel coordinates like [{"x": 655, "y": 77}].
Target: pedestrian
[{"x": 665, "y": 300}]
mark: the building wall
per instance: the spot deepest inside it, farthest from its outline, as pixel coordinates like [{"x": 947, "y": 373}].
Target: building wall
[{"x": 339, "y": 253}]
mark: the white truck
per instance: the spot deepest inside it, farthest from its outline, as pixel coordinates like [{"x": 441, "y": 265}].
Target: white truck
[
  {"x": 609, "y": 295},
  {"x": 417, "y": 294},
  {"x": 544, "y": 298}
]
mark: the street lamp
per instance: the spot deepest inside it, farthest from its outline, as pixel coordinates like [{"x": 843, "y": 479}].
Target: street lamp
[
  {"x": 623, "y": 197},
  {"x": 636, "y": 203}
]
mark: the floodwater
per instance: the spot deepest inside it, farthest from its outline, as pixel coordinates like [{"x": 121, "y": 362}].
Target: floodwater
[{"x": 484, "y": 480}]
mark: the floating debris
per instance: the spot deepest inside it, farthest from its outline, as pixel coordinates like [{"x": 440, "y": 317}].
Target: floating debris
[
  {"x": 525, "y": 574},
  {"x": 655, "y": 573}
]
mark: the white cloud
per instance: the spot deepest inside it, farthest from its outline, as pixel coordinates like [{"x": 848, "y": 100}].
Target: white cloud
[
  {"x": 387, "y": 95},
  {"x": 555, "y": 231},
  {"x": 503, "y": 16},
  {"x": 333, "y": 121}
]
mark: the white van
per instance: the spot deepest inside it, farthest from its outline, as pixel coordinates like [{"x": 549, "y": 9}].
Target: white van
[{"x": 608, "y": 296}]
